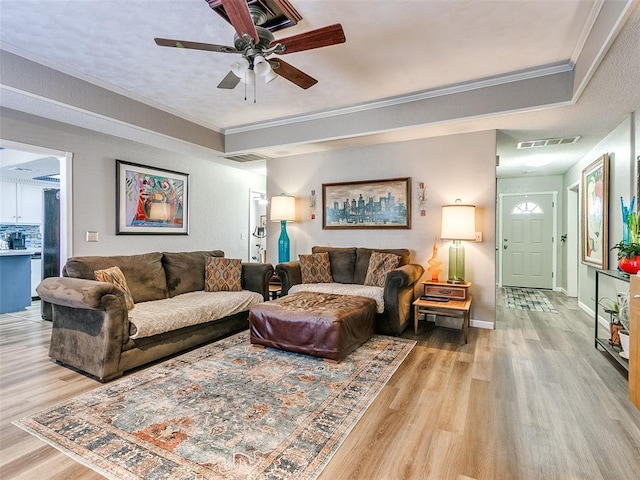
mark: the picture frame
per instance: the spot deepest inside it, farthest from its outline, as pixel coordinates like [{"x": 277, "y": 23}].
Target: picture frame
[
  {"x": 151, "y": 200},
  {"x": 367, "y": 204},
  {"x": 595, "y": 213}
]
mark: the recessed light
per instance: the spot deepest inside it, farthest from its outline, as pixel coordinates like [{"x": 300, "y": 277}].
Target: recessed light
[{"x": 538, "y": 161}]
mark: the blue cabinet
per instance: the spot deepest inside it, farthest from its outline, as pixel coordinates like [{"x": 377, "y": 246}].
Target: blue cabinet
[{"x": 15, "y": 281}]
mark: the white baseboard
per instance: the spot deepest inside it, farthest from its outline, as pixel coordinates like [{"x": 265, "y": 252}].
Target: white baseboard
[
  {"x": 482, "y": 324},
  {"x": 585, "y": 308}
]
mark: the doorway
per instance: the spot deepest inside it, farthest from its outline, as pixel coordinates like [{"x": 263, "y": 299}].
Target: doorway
[
  {"x": 527, "y": 232},
  {"x": 32, "y": 156},
  {"x": 257, "y": 226}
]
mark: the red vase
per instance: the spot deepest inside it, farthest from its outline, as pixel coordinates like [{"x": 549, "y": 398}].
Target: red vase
[{"x": 629, "y": 265}]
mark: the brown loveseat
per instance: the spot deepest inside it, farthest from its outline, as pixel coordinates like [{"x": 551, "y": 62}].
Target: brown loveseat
[
  {"x": 349, "y": 267},
  {"x": 94, "y": 331}
]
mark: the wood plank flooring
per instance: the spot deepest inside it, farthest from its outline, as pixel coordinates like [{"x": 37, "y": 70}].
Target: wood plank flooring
[{"x": 532, "y": 399}]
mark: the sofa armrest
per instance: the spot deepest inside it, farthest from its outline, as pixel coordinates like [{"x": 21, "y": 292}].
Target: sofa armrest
[
  {"x": 76, "y": 292},
  {"x": 289, "y": 274},
  {"x": 256, "y": 277},
  {"x": 90, "y": 324},
  {"x": 398, "y": 298},
  {"x": 403, "y": 276}
]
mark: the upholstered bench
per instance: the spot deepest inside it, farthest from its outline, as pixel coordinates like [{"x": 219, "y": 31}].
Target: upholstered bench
[{"x": 319, "y": 324}]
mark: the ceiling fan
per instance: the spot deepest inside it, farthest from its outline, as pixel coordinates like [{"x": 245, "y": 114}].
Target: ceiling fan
[{"x": 256, "y": 44}]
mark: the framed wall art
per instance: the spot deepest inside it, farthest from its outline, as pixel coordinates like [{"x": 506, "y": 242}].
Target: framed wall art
[
  {"x": 367, "y": 204},
  {"x": 151, "y": 200},
  {"x": 595, "y": 211}
]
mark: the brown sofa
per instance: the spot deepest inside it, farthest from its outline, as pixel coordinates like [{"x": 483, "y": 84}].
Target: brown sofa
[
  {"x": 349, "y": 266},
  {"x": 91, "y": 324}
]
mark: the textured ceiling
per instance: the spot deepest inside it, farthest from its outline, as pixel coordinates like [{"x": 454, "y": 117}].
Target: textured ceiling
[{"x": 394, "y": 50}]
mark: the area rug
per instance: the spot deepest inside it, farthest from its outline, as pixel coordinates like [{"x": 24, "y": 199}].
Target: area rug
[
  {"x": 528, "y": 299},
  {"x": 228, "y": 410}
]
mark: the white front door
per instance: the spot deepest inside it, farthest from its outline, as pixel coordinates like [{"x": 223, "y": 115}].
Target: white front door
[{"x": 527, "y": 240}]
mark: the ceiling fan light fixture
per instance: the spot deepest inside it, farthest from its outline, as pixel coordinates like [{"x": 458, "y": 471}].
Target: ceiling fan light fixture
[
  {"x": 270, "y": 76},
  {"x": 249, "y": 77},
  {"x": 260, "y": 66},
  {"x": 240, "y": 67}
]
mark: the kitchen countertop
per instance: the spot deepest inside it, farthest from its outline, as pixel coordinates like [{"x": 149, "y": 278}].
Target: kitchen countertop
[{"x": 13, "y": 253}]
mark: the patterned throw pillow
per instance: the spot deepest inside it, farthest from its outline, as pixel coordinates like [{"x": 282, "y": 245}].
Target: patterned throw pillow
[
  {"x": 379, "y": 265},
  {"x": 315, "y": 268},
  {"x": 115, "y": 276},
  {"x": 222, "y": 274}
]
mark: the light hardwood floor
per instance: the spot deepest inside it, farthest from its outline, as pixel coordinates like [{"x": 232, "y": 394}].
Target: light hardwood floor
[{"x": 532, "y": 399}]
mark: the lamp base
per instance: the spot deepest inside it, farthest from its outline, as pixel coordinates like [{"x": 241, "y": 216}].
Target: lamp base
[
  {"x": 283, "y": 243},
  {"x": 456, "y": 262}
]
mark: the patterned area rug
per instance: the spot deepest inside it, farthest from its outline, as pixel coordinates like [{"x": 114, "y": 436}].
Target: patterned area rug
[
  {"x": 528, "y": 299},
  {"x": 225, "y": 411}
]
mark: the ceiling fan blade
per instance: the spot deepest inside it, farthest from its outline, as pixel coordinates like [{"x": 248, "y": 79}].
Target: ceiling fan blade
[
  {"x": 292, "y": 74},
  {"x": 168, "y": 42},
  {"x": 229, "y": 82},
  {"x": 322, "y": 37},
  {"x": 240, "y": 18}
]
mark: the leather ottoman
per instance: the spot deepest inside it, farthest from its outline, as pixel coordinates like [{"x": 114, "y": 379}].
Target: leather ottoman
[{"x": 323, "y": 325}]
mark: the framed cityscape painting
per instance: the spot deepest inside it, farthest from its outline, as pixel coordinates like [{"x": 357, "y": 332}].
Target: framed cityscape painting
[
  {"x": 367, "y": 204},
  {"x": 595, "y": 210},
  {"x": 151, "y": 200}
]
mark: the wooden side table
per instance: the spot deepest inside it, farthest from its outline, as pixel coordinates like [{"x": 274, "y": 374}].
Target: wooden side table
[{"x": 451, "y": 308}]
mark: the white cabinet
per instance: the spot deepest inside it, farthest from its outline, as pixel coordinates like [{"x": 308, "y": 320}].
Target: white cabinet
[
  {"x": 21, "y": 203},
  {"x": 9, "y": 202}
]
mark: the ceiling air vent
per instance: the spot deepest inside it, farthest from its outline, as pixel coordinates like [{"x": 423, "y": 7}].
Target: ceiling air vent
[
  {"x": 247, "y": 157},
  {"x": 548, "y": 142}
]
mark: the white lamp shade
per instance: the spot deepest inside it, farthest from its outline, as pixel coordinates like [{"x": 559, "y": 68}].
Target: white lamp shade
[
  {"x": 458, "y": 222},
  {"x": 283, "y": 207},
  {"x": 260, "y": 66},
  {"x": 240, "y": 67}
]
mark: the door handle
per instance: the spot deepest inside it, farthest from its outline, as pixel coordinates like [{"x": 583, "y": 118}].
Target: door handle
[{"x": 636, "y": 296}]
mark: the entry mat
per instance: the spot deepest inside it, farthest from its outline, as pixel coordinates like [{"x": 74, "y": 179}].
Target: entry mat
[{"x": 528, "y": 299}]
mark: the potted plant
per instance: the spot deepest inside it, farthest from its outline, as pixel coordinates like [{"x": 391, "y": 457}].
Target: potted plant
[
  {"x": 629, "y": 247},
  {"x": 612, "y": 307},
  {"x": 628, "y": 256}
]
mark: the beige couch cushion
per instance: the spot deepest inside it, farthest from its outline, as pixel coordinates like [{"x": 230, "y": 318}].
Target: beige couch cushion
[
  {"x": 193, "y": 308},
  {"x": 144, "y": 273}
]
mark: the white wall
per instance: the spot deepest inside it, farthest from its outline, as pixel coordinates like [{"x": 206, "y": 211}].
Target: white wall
[
  {"x": 219, "y": 195},
  {"x": 618, "y": 145},
  {"x": 456, "y": 166}
]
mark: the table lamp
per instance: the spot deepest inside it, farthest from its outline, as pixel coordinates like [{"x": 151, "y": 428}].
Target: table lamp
[
  {"x": 283, "y": 210},
  {"x": 458, "y": 223}
]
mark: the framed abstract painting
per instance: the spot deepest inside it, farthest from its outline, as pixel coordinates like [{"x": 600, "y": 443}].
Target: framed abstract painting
[
  {"x": 151, "y": 201},
  {"x": 595, "y": 211}
]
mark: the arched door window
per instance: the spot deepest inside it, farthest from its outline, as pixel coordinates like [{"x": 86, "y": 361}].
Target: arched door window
[{"x": 527, "y": 208}]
